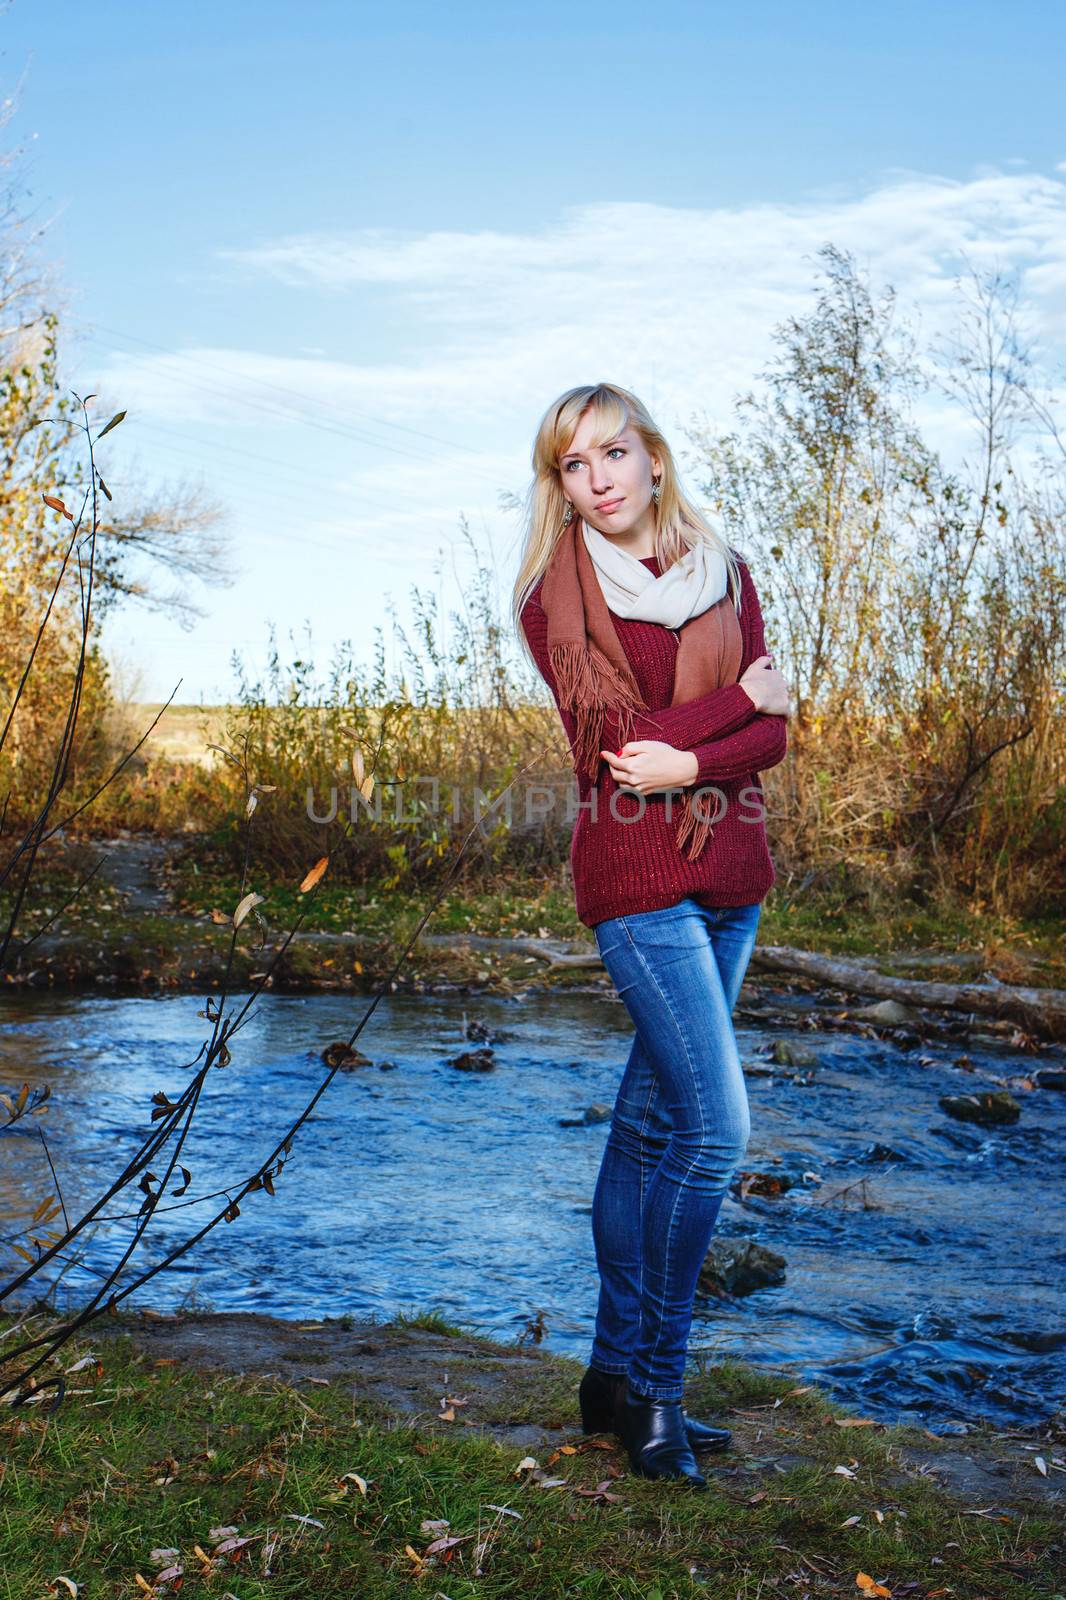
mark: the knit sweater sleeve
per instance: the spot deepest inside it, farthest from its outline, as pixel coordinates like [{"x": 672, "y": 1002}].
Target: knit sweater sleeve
[
  {"x": 709, "y": 716},
  {"x": 763, "y": 742}
]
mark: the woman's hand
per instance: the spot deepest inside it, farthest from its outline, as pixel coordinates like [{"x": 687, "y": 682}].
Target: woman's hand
[
  {"x": 766, "y": 687},
  {"x": 648, "y": 765}
]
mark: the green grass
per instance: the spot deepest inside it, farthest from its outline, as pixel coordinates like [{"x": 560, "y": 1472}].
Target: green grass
[
  {"x": 189, "y": 947},
  {"x": 145, "y": 1455}
]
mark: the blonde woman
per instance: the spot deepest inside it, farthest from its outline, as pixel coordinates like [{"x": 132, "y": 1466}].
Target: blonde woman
[{"x": 646, "y": 626}]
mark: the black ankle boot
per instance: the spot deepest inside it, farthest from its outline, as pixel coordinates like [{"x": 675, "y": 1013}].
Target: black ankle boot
[
  {"x": 600, "y": 1395},
  {"x": 653, "y": 1432}
]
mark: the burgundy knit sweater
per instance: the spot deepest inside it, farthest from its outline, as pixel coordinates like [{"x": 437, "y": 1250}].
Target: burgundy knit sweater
[{"x": 635, "y": 865}]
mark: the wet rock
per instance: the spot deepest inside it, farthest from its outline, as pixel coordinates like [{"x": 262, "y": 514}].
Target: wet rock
[
  {"x": 386, "y": 1066},
  {"x": 889, "y": 1013},
  {"x": 990, "y": 1107},
  {"x": 344, "y": 1055},
  {"x": 882, "y": 1152},
  {"x": 596, "y": 1112},
  {"x": 739, "y": 1266},
  {"x": 474, "y": 1061},
  {"x": 766, "y": 1183},
  {"x": 1049, "y": 1078},
  {"x": 478, "y": 1031},
  {"x": 787, "y": 1054}
]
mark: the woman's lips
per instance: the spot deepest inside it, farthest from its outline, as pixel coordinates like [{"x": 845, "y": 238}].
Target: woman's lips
[{"x": 609, "y": 506}]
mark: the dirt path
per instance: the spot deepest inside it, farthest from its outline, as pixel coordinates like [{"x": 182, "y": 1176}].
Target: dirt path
[{"x": 134, "y": 865}]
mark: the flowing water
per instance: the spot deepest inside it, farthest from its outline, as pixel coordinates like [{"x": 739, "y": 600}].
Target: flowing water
[{"x": 925, "y": 1257}]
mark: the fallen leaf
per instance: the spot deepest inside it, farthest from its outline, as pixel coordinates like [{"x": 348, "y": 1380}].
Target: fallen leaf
[
  {"x": 447, "y": 1543},
  {"x": 868, "y": 1585}
]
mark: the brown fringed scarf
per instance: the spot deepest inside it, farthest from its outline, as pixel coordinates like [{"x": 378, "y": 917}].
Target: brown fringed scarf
[{"x": 592, "y": 673}]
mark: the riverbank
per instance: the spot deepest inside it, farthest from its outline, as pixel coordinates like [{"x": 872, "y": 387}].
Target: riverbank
[
  {"x": 414, "y": 1457},
  {"x": 156, "y": 917}
]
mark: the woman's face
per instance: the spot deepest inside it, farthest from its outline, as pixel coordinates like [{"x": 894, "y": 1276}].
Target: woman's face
[{"x": 609, "y": 484}]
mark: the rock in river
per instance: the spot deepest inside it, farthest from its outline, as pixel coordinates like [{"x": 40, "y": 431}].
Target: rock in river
[
  {"x": 889, "y": 1013},
  {"x": 474, "y": 1061},
  {"x": 737, "y": 1266},
  {"x": 787, "y": 1054},
  {"x": 344, "y": 1055},
  {"x": 596, "y": 1112},
  {"x": 990, "y": 1107}
]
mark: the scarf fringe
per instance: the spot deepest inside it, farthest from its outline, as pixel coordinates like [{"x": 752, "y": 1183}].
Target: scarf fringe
[
  {"x": 589, "y": 684},
  {"x": 693, "y": 829}
]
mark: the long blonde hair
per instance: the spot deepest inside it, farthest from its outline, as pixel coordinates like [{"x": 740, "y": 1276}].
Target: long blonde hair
[{"x": 679, "y": 524}]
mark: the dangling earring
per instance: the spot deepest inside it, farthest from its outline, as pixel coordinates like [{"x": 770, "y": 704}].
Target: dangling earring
[
  {"x": 568, "y": 519},
  {"x": 656, "y": 490}
]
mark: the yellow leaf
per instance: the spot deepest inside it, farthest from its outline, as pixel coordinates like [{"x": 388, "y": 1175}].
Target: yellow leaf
[
  {"x": 868, "y": 1585},
  {"x": 245, "y": 906},
  {"x": 315, "y": 874},
  {"x": 358, "y": 767},
  {"x": 366, "y": 788}
]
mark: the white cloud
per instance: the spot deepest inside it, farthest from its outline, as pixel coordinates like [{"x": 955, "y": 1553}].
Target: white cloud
[
  {"x": 498, "y": 322},
  {"x": 677, "y": 303}
]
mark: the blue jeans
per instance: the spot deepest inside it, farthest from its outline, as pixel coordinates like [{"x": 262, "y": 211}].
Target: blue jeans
[{"x": 679, "y": 1128}]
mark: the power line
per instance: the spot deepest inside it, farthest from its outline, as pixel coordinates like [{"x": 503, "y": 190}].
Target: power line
[{"x": 305, "y": 399}]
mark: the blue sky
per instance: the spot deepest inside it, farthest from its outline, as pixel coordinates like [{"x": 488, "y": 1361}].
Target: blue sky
[{"x": 336, "y": 262}]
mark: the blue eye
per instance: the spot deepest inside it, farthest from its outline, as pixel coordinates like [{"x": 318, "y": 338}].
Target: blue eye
[{"x": 615, "y": 447}]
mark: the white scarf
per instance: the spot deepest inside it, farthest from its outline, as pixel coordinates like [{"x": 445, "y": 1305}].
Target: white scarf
[{"x": 693, "y": 584}]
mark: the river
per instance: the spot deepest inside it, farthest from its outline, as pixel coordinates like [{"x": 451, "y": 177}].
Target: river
[{"x": 933, "y": 1292}]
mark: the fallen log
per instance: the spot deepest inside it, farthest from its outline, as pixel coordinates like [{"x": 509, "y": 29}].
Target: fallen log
[
  {"x": 546, "y": 950},
  {"x": 1038, "y": 1011}
]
